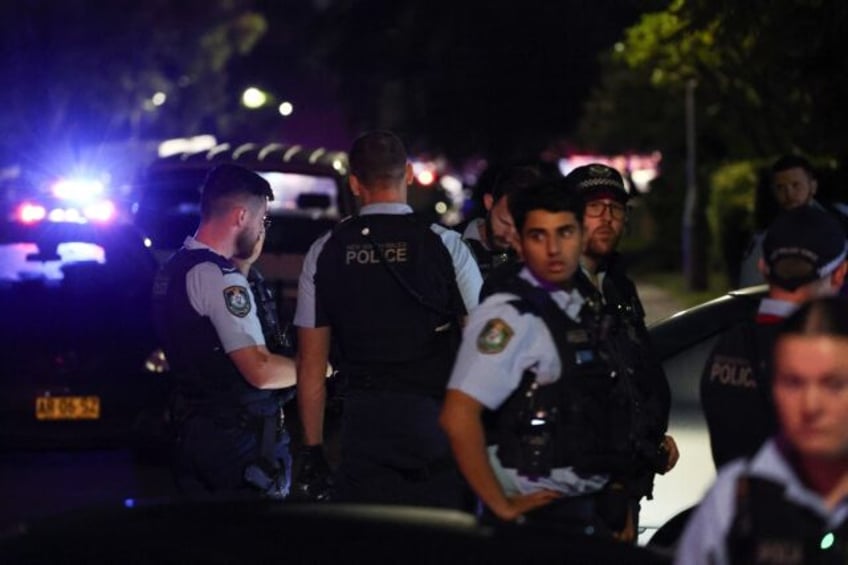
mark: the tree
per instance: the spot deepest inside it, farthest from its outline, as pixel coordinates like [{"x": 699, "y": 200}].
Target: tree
[
  {"x": 85, "y": 70},
  {"x": 771, "y": 74},
  {"x": 770, "y": 79}
]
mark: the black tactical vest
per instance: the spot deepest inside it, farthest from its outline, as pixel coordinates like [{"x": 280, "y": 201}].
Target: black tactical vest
[
  {"x": 207, "y": 380},
  {"x": 621, "y": 331},
  {"x": 735, "y": 391},
  {"x": 387, "y": 286},
  {"x": 489, "y": 259},
  {"x": 586, "y": 419},
  {"x": 770, "y": 530}
]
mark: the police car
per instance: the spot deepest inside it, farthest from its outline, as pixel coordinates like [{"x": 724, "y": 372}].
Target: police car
[
  {"x": 79, "y": 363},
  {"x": 310, "y": 197},
  {"x": 683, "y": 342}
]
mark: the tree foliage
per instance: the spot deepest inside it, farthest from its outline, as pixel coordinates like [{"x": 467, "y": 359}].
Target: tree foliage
[
  {"x": 85, "y": 70},
  {"x": 771, "y": 74}
]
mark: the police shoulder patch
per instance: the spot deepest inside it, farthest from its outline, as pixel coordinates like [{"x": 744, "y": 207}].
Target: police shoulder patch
[
  {"x": 237, "y": 300},
  {"x": 494, "y": 337}
]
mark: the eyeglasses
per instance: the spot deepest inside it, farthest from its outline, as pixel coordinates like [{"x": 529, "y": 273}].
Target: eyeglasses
[
  {"x": 266, "y": 222},
  {"x": 597, "y": 208}
]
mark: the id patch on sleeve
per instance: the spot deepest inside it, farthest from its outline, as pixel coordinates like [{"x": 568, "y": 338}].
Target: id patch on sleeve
[
  {"x": 494, "y": 337},
  {"x": 237, "y": 300}
]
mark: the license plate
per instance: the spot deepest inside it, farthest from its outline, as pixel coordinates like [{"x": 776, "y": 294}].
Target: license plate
[{"x": 67, "y": 407}]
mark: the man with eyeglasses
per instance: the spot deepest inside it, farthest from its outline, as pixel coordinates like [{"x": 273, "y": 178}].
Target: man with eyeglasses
[
  {"x": 613, "y": 295},
  {"x": 227, "y": 400}
]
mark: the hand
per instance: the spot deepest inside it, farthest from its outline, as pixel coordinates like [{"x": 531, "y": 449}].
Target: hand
[
  {"x": 311, "y": 475},
  {"x": 243, "y": 265},
  {"x": 670, "y": 446},
  {"x": 520, "y": 504},
  {"x": 628, "y": 533}
]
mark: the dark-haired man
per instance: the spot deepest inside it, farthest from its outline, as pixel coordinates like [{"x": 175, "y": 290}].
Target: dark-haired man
[
  {"x": 391, "y": 291},
  {"x": 804, "y": 257},
  {"x": 492, "y": 238},
  {"x": 227, "y": 406},
  {"x": 533, "y": 352},
  {"x": 793, "y": 184}
]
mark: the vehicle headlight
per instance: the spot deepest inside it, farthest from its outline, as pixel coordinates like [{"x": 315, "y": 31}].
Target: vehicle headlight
[{"x": 156, "y": 362}]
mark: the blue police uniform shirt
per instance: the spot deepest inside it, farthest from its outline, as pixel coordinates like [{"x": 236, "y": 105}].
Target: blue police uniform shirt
[
  {"x": 468, "y": 277},
  {"x": 472, "y": 231},
  {"x": 224, "y": 297},
  {"x": 705, "y": 538},
  {"x": 498, "y": 345}
]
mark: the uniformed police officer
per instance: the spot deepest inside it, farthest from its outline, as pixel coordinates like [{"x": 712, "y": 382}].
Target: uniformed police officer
[
  {"x": 492, "y": 238},
  {"x": 604, "y": 281},
  {"x": 789, "y": 503},
  {"x": 804, "y": 257},
  {"x": 533, "y": 352},
  {"x": 227, "y": 405},
  {"x": 391, "y": 292}
]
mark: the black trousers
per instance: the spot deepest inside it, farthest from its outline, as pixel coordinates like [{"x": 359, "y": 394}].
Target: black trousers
[{"x": 393, "y": 452}]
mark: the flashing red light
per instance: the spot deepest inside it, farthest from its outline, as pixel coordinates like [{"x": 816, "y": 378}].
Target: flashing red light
[{"x": 30, "y": 213}]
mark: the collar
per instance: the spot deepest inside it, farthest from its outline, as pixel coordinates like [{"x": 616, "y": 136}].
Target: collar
[
  {"x": 192, "y": 244},
  {"x": 597, "y": 279},
  {"x": 773, "y": 311},
  {"x": 472, "y": 231},
  {"x": 395, "y": 208},
  {"x": 571, "y": 302},
  {"x": 772, "y": 462}
]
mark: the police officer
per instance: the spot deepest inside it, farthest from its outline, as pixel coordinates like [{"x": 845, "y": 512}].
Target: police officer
[
  {"x": 792, "y": 183},
  {"x": 611, "y": 294},
  {"x": 391, "y": 291},
  {"x": 227, "y": 406},
  {"x": 804, "y": 257},
  {"x": 533, "y": 352},
  {"x": 492, "y": 238},
  {"x": 789, "y": 503}
]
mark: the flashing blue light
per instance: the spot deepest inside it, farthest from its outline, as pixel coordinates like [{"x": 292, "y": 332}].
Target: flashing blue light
[
  {"x": 78, "y": 190},
  {"x": 129, "y": 503}
]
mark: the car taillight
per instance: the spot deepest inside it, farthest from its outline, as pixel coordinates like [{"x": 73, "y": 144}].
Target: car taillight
[{"x": 29, "y": 213}]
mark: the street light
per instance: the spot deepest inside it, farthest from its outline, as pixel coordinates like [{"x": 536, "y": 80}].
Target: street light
[
  {"x": 286, "y": 109},
  {"x": 253, "y": 98}
]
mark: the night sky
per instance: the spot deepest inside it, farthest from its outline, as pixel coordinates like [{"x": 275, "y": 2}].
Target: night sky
[{"x": 500, "y": 78}]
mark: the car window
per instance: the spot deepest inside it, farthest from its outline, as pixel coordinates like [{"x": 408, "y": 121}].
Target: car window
[
  {"x": 298, "y": 194},
  {"x": 73, "y": 280},
  {"x": 27, "y": 261}
]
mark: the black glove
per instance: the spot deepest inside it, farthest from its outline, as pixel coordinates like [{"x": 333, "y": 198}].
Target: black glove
[{"x": 311, "y": 476}]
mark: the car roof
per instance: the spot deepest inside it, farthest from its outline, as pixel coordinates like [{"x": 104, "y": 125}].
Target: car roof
[
  {"x": 264, "y": 157},
  {"x": 696, "y": 324}
]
